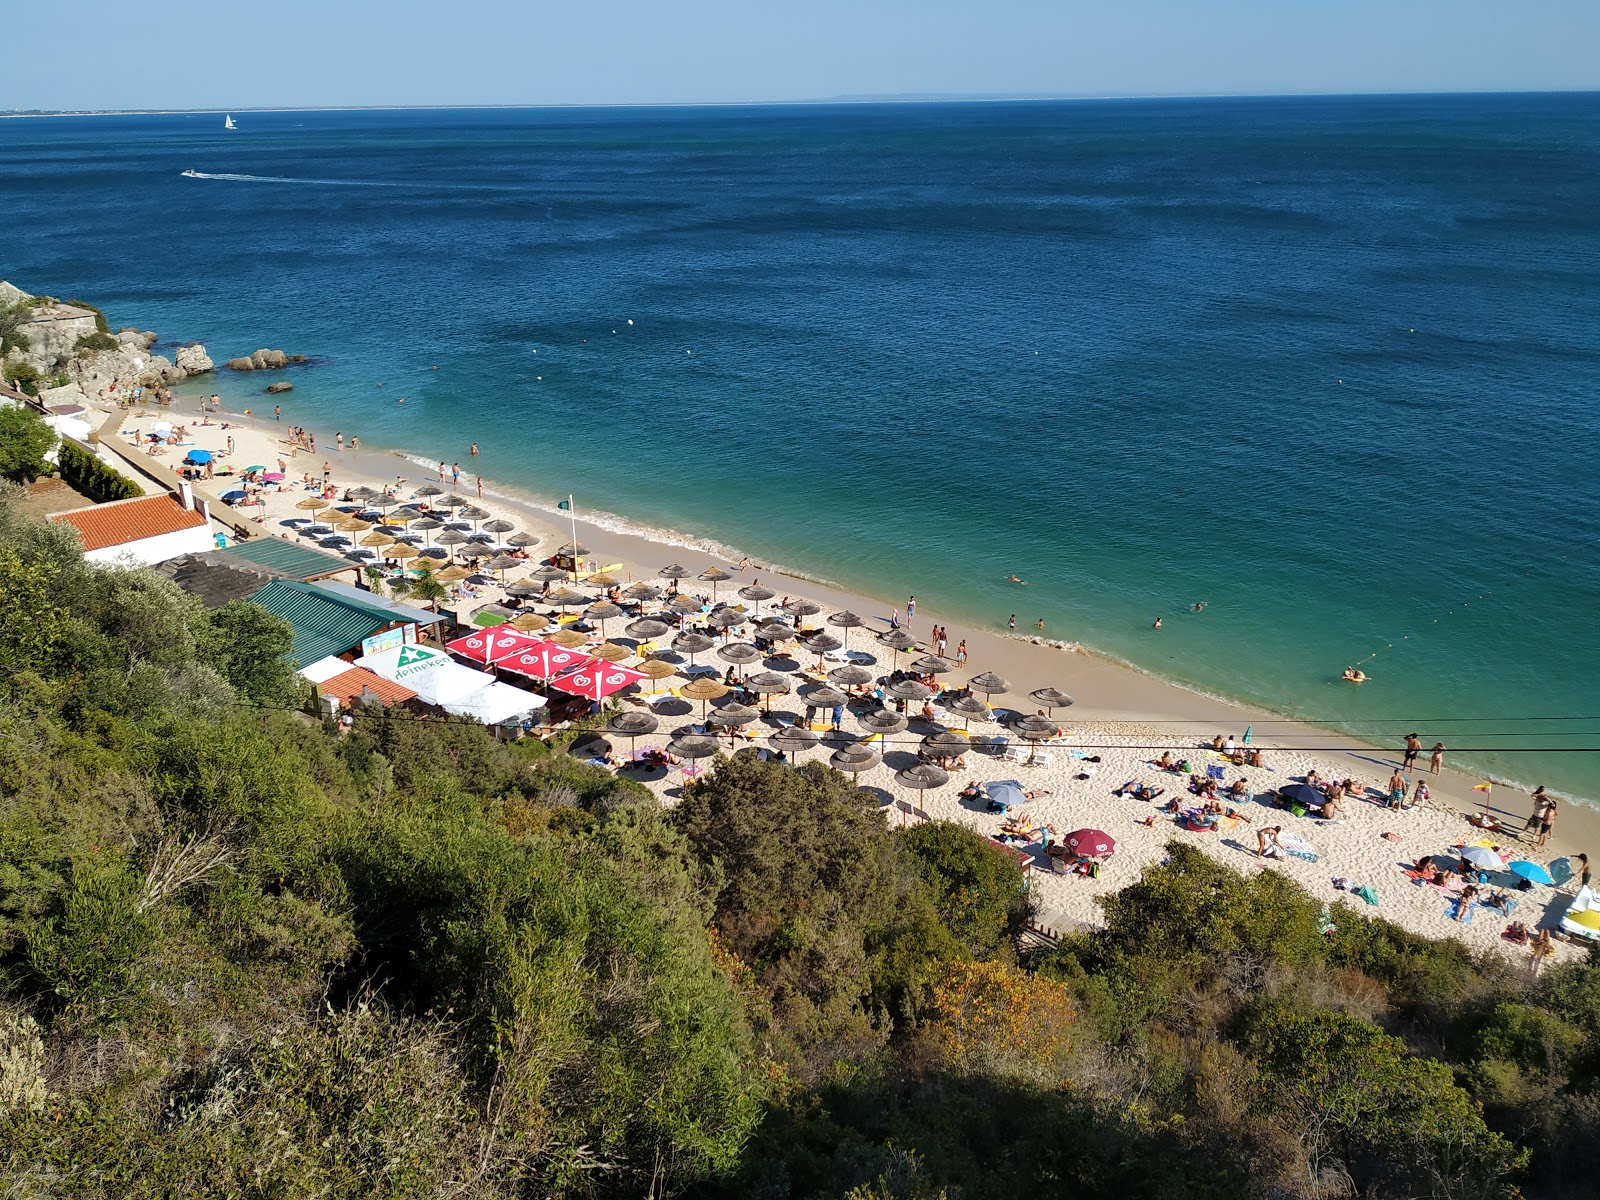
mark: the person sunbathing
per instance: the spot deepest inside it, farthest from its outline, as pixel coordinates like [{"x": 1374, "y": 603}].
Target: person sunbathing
[
  {"x": 973, "y": 791},
  {"x": 1238, "y": 758},
  {"x": 1035, "y": 794},
  {"x": 1238, "y": 790},
  {"x": 1165, "y": 761},
  {"x": 1464, "y": 902}
]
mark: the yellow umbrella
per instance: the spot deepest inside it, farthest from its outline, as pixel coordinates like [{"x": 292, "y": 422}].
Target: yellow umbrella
[
  {"x": 656, "y": 670},
  {"x": 704, "y": 689}
]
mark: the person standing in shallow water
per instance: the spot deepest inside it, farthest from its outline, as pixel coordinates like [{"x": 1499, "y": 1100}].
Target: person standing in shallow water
[
  {"x": 1413, "y": 748},
  {"x": 1012, "y": 623},
  {"x": 1436, "y": 763}
]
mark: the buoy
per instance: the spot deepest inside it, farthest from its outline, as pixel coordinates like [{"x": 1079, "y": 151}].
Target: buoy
[{"x": 630, "y": 320}]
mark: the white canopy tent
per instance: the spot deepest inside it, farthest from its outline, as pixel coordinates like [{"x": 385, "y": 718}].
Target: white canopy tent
[{"x": 460, "y": 691}]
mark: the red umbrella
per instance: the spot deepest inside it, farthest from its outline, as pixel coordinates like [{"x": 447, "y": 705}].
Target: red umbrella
[
  {"x": 597, "y": 680},
  {"x": 545, "y": 661},
  {"x": 489, "y": 645},
  {"x": 1091, "y": 843}
]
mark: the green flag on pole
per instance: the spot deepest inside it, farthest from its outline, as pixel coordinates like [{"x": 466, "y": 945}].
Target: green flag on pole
[{"x": 563, "y": 505}]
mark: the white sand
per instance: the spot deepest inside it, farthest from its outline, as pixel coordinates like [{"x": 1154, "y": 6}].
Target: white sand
[{"x": 1121, "y": 716}]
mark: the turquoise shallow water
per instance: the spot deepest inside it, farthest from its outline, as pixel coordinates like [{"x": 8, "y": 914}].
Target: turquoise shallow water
[{"x": 1328, "y": 365}]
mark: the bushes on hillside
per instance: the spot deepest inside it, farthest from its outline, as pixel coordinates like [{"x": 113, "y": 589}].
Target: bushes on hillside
[{"x": 92, "y": 476}]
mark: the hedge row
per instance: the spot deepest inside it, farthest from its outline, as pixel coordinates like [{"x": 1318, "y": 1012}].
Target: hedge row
[{"x": 88, "y": 474}]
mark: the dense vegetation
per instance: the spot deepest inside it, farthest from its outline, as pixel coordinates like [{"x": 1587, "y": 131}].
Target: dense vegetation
[
  {"x": 92, "y": 476},
  {"x": 242, "y": 953}
]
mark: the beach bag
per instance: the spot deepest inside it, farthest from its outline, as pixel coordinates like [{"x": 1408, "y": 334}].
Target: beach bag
[{"x": 1298, "y": 810}]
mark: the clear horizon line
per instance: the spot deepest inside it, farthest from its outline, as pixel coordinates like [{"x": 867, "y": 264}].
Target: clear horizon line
[{"x": 862, "y": 99}]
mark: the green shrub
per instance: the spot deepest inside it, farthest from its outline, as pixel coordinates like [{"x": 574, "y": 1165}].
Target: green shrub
[
  {"x": 977, "y": 888},
  {"x": 96, "y": 478},
  {"x": 89, "y": 343},
  {"x": 23, "y": 376}
]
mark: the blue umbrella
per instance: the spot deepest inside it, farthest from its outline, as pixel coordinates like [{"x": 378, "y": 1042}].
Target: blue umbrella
[
  {"x": 198, "y": 457},
  {"x": 1302, "y": 793},
  {"x": 236, "y": 494},
  {"x": 1530, "y": 871},
  {"x": 1005, "y": 793}
]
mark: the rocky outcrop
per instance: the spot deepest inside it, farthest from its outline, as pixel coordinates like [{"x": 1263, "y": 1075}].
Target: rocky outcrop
[
  {"x": 193, "y": 360},
  {"x": 274, "y": 388},
  {"x": 263, "y": 360},
  {"x": 142, "y": 338}
]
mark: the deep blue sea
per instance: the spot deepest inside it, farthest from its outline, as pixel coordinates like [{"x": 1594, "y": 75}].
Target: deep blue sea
[{"x": 1329, "y": 365}]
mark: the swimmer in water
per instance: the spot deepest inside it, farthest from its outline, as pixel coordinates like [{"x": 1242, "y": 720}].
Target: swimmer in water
[
  {"x": 1014, "y": 579},
  {"x": 1157, "y": 625},
  {"x": 1199, "y": 606},
  {"x": 1354, "y": 676}
]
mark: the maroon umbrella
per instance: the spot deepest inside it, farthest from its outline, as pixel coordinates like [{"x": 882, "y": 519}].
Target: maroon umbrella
[{"x": 1091, "y": 843}]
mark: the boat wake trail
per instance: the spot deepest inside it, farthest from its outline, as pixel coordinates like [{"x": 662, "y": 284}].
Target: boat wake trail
[{"x": 290, "y": 179}]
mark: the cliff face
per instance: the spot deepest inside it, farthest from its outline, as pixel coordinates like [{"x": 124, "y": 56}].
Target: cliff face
[{"x": 54, "y": 331}]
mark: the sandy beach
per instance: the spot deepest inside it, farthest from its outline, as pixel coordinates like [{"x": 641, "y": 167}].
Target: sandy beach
[{"x": 1119, "y": 716}]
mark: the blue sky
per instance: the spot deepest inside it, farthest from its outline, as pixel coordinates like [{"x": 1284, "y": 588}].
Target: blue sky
[{"x": 244, "y": 53}]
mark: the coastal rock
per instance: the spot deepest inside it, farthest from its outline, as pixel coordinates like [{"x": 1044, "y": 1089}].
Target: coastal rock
[
  {"x": 280, "y": 386},
  {"x": 240, "y": 364},
  {"x": 143, "y": 338},
  {"x": 193, "y": 360},
  {"x": 11, "y": 294},
  {"x": 268, "y": 359}
]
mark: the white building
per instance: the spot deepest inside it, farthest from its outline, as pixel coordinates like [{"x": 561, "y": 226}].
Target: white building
[{"x": 148, "y": 530}]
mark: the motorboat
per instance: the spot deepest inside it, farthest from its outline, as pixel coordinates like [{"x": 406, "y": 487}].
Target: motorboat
[{"x": 192, "y": 173}]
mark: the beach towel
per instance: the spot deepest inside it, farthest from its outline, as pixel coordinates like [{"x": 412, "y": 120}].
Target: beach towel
[
  {"x": 1215, "y": 773},
  {"x": 1325, "y": 925},
  {"x": 1366, "y": 893},
  {"x": 1451, "y": 909}
]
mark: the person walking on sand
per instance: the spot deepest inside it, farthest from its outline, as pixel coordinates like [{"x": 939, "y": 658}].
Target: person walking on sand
[
  {"x": 961, "y": 653},
  {"x": 1397, "y": 790},
  {"x": 1436, "y": 763},
  {"x": 1539, "y": 950},
  {"x": 940, "y": 641},
  {"x": 1541, "y": 804},
  {"x": 1413, "y": 748},
  {"x": 911, "y": 609},
  {"x": 480, "y": 487},
  {"x": 1547, "y": 824}
]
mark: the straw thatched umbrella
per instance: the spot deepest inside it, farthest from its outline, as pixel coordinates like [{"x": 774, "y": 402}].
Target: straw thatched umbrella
[
  {"x": 1051, "y": 698},
  {"x": 907, "y": 689},
  {"x": 376, "y": 539},
  {"x": 498, "y": 525},
  {"x": 725, "y": 618},
  {"x": 674, "y": 571},
  {"x": 646, "y": 629},
  {"x": 947, "y": 744},
  {"x": 1036, "y": 728},
  {"x": 692, "y": 644},
  {"x": 819, "y": 644},
  {"x": 428, "y": 489},
  {"x": 571, "y": 549},
  {"x": 547, "y": 573},
  {"x": 931, "y": 664},
  {"x": 897, "y": 640},
  {"x": 364, "y": 493},
  {"x": 522, "y": 540},
  {"x": 693, "y": 745},
  {"x": 400, "y": 552},
  {"x": 883, "y": 721},
  {"x": 823, "y": 697},
  {"x": 768, "y": 684},
  {"x": 971, "y": 707},
  {"x": 846, "y": 621},
  {"x": 611, "y": 652},
  {"x": 791, "y": 739},
  {"x": 564, "y": 598},
  {"x": 854, "y": 759},
  {"x": 474, "y": 514},
  {"x": 524, "y": 588},
  {"x": 452, "y": 501},
  {"x": 529, "y": 622},
  {"x": 734, "y": 714},
  {"x": 684, "y": 604},
  {"x": 738, "y": 652},
  {"x": 775, "y": 632},
  {"x": 641, "y": 591},
  {"x": 602, "y": 611},
  {"x": 655, "y": 670},
  {"x": 989, "y": 683},
  {"x": 569, "y": 639},
  {"x": 921, "y": 778},
  {"x": 602, "y": 579},
  {"x": 451, "y": 574},
  {"x": 503, "y": 563},
  {"x": 756, "y": 593},
  {"x": 353, "y": 525},
  {"x": 801, "y": 608},
  {"x": 451, "y": 538},
  {"x": 428, "y": 525},
  {"x": 703, "y": 689},
  {"x": 632, "y": 725},
  {"x": 850, "y": 675}
]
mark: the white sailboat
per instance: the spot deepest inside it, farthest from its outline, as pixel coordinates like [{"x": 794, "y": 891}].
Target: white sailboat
[{"x": 227, "y": 121}]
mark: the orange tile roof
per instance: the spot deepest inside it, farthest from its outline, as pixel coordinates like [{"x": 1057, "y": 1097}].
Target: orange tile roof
[
  {"x": 347, "y": 685},
  {"x": 124, "y": 521}
]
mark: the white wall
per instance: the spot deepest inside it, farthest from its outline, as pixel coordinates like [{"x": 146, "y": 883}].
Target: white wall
[{"x": 157, "y": 549}]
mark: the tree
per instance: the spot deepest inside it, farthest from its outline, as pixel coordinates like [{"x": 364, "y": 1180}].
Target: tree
[
  {"x": 249, "y": 646},
  {"x": 12, "y": 336},
  {"x": 30, "y": 623},
  {"x": 24, "y": 441},
  {"x": 977, "y": 888}
]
